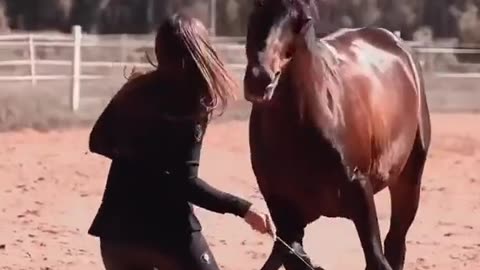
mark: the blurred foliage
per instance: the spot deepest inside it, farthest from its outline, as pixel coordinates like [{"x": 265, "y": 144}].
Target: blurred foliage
[{"x": 445, "y": 18}]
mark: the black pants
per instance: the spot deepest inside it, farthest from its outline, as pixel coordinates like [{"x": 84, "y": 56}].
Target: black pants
[{"x": 193, "y": 254}]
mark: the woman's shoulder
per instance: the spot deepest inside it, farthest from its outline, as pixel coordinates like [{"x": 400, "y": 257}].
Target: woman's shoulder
[
  {"x": 140, "y": 87},
  {"x": 139, "y": 81}
]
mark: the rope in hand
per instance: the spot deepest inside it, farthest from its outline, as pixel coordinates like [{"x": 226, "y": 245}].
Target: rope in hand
[
  {"x": 281, "y": 241},
  {"x": 276, "y": 238}
]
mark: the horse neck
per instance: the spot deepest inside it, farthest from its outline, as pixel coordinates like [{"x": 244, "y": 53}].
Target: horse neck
[{"x": 309, "y": 83}]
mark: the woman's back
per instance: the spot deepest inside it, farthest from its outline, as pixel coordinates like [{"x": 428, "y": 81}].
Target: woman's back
[{"x": 163, "y": 143}]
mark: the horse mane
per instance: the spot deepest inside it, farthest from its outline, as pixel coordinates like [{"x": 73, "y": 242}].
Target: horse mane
[
  {"x": 321, "y": 61},
  {"x": 313, "y": 5},
  {"x": 329, "y": 60},
  {"x": 324, "y": 54}
]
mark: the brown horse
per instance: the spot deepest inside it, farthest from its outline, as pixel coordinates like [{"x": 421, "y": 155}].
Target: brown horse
[{"x": 333, "y": 122}]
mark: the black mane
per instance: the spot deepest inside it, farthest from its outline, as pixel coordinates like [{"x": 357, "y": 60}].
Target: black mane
[{"x": 314, "y": 7}]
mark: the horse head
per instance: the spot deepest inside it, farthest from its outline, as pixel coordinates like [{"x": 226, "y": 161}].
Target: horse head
[{"x": 276, "y": 30}]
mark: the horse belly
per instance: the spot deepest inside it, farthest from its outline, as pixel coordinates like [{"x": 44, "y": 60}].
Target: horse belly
[
  {"x": 394, "y": 132},
  {"x": 389, "y": 164}
]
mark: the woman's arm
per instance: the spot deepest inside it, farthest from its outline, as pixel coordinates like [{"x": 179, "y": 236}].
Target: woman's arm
[
  {"x": 200, "y": 192},
  {"x": 103, "y": 139},
  {"x": 206, "y": 196},
  {"x": 100, "y": 140}
]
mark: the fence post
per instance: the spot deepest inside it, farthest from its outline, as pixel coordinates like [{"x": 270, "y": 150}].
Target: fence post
[
  {"x": 76, "y": 64},
  {"x": 31, "y": 50},
  {"x": 213, "y": 17},
  {"x": 123, "y": 48}
]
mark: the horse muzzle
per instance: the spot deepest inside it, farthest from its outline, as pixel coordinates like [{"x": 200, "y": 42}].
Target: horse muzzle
[{"x": 259, "y": 85}]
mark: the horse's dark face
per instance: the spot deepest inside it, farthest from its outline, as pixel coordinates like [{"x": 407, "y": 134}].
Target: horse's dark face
[{"x": 273, "y": 29}]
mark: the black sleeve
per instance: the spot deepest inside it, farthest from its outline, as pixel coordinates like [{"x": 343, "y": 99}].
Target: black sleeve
[
  {"x": 100, "y": 141},
  {"x": 206, "y": 196},
  {"x": 105, "y": 138}
]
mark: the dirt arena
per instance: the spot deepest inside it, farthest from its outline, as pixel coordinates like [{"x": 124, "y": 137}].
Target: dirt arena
[{"x": 50, "y": 189}]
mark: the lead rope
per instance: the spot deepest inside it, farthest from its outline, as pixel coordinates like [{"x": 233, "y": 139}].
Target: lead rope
[{"x": 277, "y": 238}]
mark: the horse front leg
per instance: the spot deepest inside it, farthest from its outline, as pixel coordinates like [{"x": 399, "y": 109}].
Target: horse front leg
[
  {"x": 360, "y": 204},
  {"x": 295, "y": 257},
  {"x": 275, "y": 259},
  {"x": 288, "y": 247},
  {"x": 288, "y": 251}
]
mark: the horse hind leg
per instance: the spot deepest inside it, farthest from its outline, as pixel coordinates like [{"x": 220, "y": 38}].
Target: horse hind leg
[{"x": 405, "y": 196}]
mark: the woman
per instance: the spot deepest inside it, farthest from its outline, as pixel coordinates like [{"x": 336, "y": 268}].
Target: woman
[{"x": 153, "y": 130}]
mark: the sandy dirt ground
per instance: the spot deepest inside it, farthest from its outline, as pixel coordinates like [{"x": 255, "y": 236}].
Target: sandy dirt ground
[{"x": 50, "y": 189}]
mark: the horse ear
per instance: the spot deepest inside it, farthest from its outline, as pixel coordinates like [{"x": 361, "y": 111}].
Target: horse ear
[
  {"x": 306, "y": 24},
  {"x": 306, "y": 33},
  {"x": 258, "y": 3}
]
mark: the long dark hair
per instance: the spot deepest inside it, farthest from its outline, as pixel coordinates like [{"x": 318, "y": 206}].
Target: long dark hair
[{"x": 187, "y": 37}]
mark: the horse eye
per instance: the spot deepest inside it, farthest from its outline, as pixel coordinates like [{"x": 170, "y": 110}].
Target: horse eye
[
  {"x": 294, "y": 20},
  {"x": 289, "y": 52},
  {"x": 297, "y": 26}
]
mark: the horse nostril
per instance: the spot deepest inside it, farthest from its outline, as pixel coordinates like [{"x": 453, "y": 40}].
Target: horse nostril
[{"x": 258, "y": 77}]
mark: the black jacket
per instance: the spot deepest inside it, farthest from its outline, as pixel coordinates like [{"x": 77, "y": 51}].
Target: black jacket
[{"x": 153, "y": 176}]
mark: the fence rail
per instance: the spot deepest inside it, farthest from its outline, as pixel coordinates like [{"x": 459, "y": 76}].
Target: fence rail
[{"x": 77, "y": 40}]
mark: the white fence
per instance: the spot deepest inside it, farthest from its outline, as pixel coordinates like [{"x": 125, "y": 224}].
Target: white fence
[{"x": 77, "y": 41}]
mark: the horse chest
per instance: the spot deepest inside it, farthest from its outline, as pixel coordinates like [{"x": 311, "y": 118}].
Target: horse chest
[{"x": 297, "y": 165}]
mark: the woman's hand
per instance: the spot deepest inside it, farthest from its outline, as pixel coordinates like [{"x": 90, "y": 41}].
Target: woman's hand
[{"x": 259, "y": 221}]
